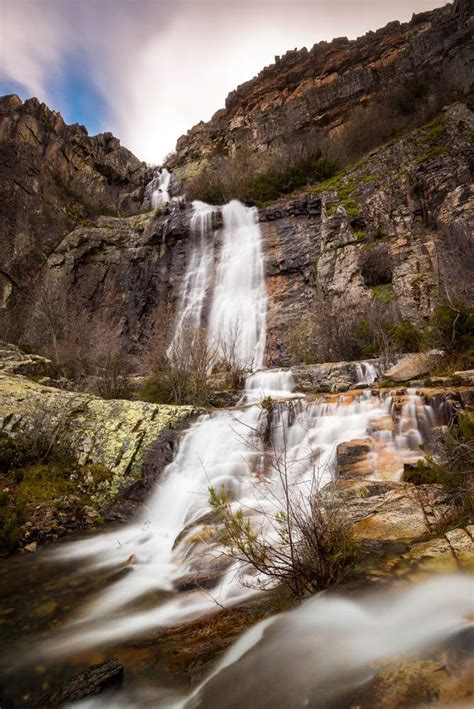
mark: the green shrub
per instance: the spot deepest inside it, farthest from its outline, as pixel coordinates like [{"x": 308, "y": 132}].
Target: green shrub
[
  {"x": 407, "y": 337},
  {"x": 451, "y": 327},
  {"x": 10, "y": 529},
  {"x": 219, "y": 184},
  {"x": 383, "y": 293},
  {"x": 10, "y": 454}
]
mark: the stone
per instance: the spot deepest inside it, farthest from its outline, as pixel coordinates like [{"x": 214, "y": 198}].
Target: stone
[
  {"x": 88, "y": 683},
  {"x": 15, "y": 361},
  {"x": 133, "y": 440},
  {"x": 32, "y": 547},
  {"x": 353, "y": 458},
  {"x": 54, "y": 176},
  {"x": 413, "y": 365},
  {"x": 386, "y": 511}
]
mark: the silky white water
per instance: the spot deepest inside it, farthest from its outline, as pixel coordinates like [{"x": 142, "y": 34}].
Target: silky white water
[
  {"x": 366, "y": 373},
  {"x": 322, "y": 652},
  {"x": 198, "y": 277},
  {"x": 175, "y": 542},
  {"x": 160, "y": 188},
  {"x": 239, "y": 305}
]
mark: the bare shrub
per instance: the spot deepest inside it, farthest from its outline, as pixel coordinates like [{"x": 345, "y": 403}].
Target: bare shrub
[
  {"x": 376, "y": 265},
  {"x": 180, "y": 371},
  {"x": 402, "y": 107},
  {"x": 334, "y": 333},
  {"x": 227, "y": 358},
  {"x": 304, "y": 541},
  {"x": 451, "y": 463}
]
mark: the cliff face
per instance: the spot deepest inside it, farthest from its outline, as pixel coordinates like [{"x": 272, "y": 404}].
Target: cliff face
[
  {"x": 409, "y": 199},
  {"x": 79, "y": 250},
  {"x": 53, "y": 177},
  {"x": 305, "y": 94},
  {"x": 409, "y": 203}
]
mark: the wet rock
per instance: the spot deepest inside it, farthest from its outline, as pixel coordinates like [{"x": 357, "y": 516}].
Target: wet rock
[
  {"x": 353, "y": 458},
  {"x": 418, "y": 683},
  {"x": 89, "y": 683}
]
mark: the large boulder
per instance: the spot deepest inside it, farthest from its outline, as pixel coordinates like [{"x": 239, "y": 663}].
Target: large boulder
[
  {"x": 391, "y": 511},
  {"x": 413, "y": 365}
]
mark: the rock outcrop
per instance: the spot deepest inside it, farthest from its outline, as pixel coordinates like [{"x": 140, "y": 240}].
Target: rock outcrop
[
  {"x": 54, "y": 176},
  {"x": 119, "y": 448},
  {"x": 404, "y": 201},
  {"x": 405, "y": 205},
  {"x": 307, "y": 94}
]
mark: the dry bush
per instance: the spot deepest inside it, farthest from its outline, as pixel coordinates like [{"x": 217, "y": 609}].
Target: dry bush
[
  {"x": 304, "y": 541},
  {"x": 332, "y": 333},
  {"x": 402, "y": 107},
  {"x": 451, "y": 463},
  {"x": 376, "y": 265},
  {"x": 85, "y": 350},
  {"x": 226, "y": 356},
  {"x": 180, "y": 371}
]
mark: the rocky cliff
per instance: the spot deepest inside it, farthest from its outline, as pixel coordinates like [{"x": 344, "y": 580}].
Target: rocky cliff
[
  {"x": 81, "y": 246},
  {"x": 307, "y": 94},
  {"x": 405, "y": 203},
  {"x": 54, "y": 177}
]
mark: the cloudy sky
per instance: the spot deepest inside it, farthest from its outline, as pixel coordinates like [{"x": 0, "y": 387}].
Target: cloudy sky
[{"x": 148, "y": 70}]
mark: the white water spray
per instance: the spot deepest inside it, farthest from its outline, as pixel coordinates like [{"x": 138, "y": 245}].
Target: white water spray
[{"x": 366, "y": 373}]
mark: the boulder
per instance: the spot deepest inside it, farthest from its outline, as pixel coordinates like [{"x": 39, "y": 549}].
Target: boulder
[
  {"x": 391, "y": 511},
  {"x": 353, "y": 458},
  {"x": 15, "y": 361},
  {"x": 413, "y": 365}
]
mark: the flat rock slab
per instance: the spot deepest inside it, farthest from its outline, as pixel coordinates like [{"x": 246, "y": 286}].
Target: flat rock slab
[{"x": 391, "y": 511}]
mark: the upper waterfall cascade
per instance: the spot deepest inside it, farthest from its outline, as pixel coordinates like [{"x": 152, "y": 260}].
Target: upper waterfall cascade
[
  {"x": 172, "y": 541},
  {"x": 159, "y": 188}
]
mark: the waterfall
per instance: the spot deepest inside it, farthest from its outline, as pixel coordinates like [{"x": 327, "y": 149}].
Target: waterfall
[
  {"x": 199, "y": 271},
  {"x": 238, "y": 313},
  {"x": 175, "y": 543},
  {"x": 160, "y": 188},
  {"x": 366, "y": 373}
]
